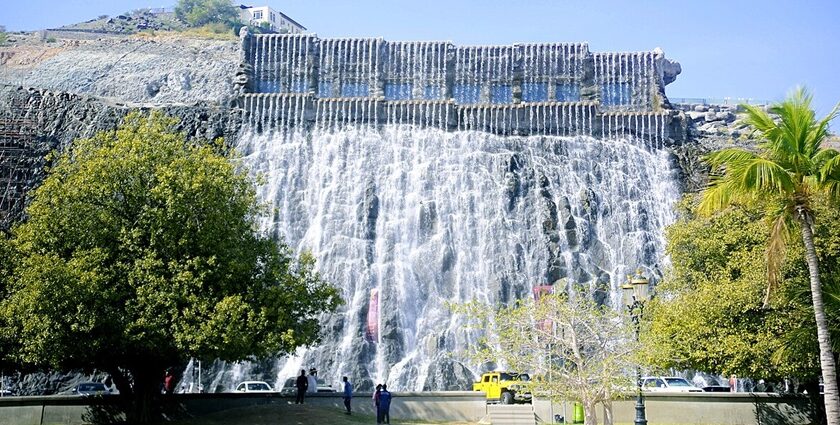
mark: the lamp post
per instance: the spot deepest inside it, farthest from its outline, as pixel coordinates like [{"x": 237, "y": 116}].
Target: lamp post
[{"x": 635, "y": 293}]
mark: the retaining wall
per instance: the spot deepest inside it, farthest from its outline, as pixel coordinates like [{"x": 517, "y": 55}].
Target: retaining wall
[{"x": 453, "y": 406}]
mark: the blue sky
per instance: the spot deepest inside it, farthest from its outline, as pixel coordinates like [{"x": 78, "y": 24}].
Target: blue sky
[{"x": 735, "y": 48}]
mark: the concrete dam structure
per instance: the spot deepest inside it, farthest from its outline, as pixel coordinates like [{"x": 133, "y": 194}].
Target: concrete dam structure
[
  {"x": 523, "y": 89},
  {"x": 425, "y": 173}
]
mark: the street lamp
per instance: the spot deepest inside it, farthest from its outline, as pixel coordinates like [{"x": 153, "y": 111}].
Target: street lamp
[{"x": 635, "y": 293}]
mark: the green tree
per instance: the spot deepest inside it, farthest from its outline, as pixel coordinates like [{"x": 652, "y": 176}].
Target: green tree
[
  {"x": 787, "y": 170},
  {"x": 202, "y": 12},
  {"x": 140, "y": 251},
  {"x": 709, "y": 314},
  {"x": 3, "y": 35},
  {"x": 578, "y": 350}
]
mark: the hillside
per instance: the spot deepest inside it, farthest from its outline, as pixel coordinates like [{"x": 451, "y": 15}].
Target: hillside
[{"x": 142, "y": 68}]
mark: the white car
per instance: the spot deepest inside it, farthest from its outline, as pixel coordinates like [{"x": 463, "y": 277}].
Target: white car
[
  {"x": 668, "y": 384},
  {"x": 253, "y": 387}
]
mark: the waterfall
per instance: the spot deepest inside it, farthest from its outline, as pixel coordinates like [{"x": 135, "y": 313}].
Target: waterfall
[
  {"x": 420, "y": 216},
  {"x": 423, "y": 173}
]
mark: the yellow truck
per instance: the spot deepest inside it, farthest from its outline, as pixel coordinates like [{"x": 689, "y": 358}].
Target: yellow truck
[{"x": 504, "y": 387}]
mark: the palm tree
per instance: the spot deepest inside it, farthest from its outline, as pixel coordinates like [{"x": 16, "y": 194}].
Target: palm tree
[{"x": 788, "y": 167}]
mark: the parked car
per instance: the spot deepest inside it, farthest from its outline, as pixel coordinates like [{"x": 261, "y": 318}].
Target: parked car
[
  {"x": 6, "y": 393},
  {"x": 253, "y": 387},
  {"x": 668, "y": 384},
  {"x": 89, "y": 389},
  {"x": 289, "y": 387},
  {"x": 504, "y": 387}
]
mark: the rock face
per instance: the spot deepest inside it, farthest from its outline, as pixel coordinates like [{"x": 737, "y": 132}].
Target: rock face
[
  {"x": 37, "y": 121},
  {"x": 132, "y": 69}
]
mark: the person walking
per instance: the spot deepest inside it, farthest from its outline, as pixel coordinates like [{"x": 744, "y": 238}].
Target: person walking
[
  {"x": 376, "y": 403},
  {"x": 169, "y": 382},
  {"x": 385, "y": 405},
  {"x": 313, "y": 380},
  {"x": 302, "y": 383},
  {"x": 348, "y": 393}
]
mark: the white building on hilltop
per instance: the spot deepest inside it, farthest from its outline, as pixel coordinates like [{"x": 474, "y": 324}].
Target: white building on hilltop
[{"x": 277, "y": 21}]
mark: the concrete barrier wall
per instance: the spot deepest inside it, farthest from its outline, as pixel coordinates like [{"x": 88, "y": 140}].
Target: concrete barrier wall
[
  {"x": 701, "y": 408},
  {"x": 430, "y": 406}
]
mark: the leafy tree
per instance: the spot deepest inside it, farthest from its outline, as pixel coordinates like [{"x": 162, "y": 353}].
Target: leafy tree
[
  {"x": 140, "y": 251},
  {"x": 709, "y": 314},
  {"x": 787, "y": 170},
  {"x": 3, "y": 35},
  {"x": 202, "y": 12},
  {"x": 577, "y": 349}
]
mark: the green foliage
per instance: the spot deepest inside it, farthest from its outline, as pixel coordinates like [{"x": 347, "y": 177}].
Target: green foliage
[
  {"x": 140, "y": 251},
  {"x": 51, "y": 39},
  {"x": 200, "y": 12},
  {"x": 576, "y": 349},
  {"x": 709, "y": 312},
  {"x": 3, "y": 36}
]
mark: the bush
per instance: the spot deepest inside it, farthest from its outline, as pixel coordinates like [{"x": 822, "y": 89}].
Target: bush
[
  {"x": 201, "y": 12},
  {"x": 51, "y": 39}
]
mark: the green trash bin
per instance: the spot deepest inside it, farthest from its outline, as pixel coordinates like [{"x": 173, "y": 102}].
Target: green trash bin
[{"x": 577, "y": 413}]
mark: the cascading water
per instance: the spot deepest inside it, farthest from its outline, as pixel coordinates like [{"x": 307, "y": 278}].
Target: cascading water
[{"x": 420, "y": 174}]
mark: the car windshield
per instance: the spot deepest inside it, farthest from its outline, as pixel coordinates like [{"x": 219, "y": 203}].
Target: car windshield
[
  {"x": 515, "y": 377},
  {"x": 677, "y": 382},
  {"x": 91, "y": 387},
  {"x": 290, "y": 382},
  {"x": 258, "y": 386},
  {"x": 653, "y": 382}
]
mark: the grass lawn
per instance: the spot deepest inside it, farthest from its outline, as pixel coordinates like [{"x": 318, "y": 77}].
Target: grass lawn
[{"x": 272, "y": 414}]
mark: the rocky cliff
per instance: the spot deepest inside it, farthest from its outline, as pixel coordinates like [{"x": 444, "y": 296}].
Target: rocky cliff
[{"x": 157, "y": 69}]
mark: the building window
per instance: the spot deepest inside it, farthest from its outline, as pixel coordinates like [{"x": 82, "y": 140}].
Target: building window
[
  {"x": 534, "y": 92},
  {"x": 501, "y": 93},
  {"x": 568, "y": 92},
  {"x": 350, "y": 89},
  {"x": 615, "y": 94},
  {"x": 273, "y": 18},
  {"x": 466, "y": 94},
  {"x": 324, "y": 89},
  {"x": 397, "y": 91},
  {"x": 258, "y": 14},
  {"x": 432, "y": 93}
]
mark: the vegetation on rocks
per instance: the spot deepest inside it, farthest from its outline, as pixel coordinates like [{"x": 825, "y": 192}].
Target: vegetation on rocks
[
  {"x": 139, "y": 252},
  {"x": 202, "y": 12}
]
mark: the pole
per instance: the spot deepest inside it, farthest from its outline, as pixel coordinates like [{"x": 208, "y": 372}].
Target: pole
[
  {"x": 199, "y": 377},
  {"x": 640, "y": 399}
]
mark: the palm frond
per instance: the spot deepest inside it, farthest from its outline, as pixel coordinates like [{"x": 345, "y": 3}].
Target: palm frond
[
  {"x": 765, "y": 175},
  {"x": 780, "y": 234},
  {"x": 829, "y": 173},
  {"x": 728, "y": 156},
  {"x": 820, "y": 131}
]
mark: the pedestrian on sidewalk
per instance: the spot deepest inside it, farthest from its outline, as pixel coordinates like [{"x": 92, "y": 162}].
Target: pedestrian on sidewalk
[
  {"x": 385, "y": 405},
  {"x": 302, "y": 383},
  {"x": 376, "y": 403},
  {"x": 348, "y": 393}
]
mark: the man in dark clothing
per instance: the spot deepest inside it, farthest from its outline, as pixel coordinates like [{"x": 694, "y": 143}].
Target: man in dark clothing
[
  {"x": 302, "y": 384},
  {"x": 348, "y": 393},
  {"x": 384, "y": 405},
  {"x": 376, "y": 403}
]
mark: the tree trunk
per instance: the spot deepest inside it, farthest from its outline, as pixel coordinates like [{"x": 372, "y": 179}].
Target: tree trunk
[
  {"x": 145, "y": 395},
  {"x": 590, "y": 414},
  {"x": 608, "y": 412},
  {"x": 829, "y": 375}
]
